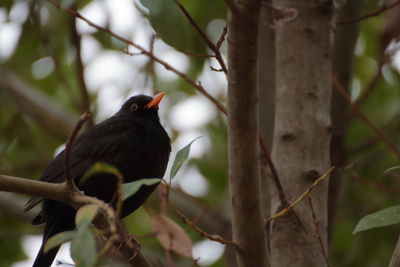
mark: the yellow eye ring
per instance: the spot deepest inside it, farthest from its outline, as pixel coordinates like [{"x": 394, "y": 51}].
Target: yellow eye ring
[{"x": 134, "y": 107}]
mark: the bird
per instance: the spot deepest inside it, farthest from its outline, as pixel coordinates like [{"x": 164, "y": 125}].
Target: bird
[{"x": 132, "y": 140}]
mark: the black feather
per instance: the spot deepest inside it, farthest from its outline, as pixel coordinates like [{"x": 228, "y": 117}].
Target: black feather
[{"x": 132, "y": 141}]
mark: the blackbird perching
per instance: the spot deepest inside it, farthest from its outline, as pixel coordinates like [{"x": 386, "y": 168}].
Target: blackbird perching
[{"x": 132, "y": 140}]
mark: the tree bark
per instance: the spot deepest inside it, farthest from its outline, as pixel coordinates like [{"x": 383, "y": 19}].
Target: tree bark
[
  {"x": 344, "y": 43},
  {"x": 302, "y": 130},
  {"x": 244, "y": 178}
]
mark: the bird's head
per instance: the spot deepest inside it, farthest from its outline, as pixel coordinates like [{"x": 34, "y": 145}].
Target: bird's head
[{"x": 141, "y": 105}]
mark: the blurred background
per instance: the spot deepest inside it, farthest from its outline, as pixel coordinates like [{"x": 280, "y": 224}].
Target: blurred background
[{"x": 53, "y": 68}]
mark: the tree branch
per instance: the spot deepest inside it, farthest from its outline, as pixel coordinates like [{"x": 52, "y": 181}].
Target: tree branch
[
  {"x": 318, "y": 232},
  {"x": 80, "y": 69},
  {"x": 209, "y": 43},
  {"x": 68, "y": 149},
  {"x": 166, "y": 65},
  {"x": 247, "y": 224},
  {"x": 61, "y": 193},
  {"x": 364, "y": 118},
  {"x": 366, "y": 16}
]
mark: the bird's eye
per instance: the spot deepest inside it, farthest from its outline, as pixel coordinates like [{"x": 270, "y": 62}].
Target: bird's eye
[{"x": 134, "y": 107}]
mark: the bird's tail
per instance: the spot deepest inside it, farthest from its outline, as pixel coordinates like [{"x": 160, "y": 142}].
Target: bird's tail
[
  {"x": 52, "y": 227},
  {"x": 45, "y": 259}
]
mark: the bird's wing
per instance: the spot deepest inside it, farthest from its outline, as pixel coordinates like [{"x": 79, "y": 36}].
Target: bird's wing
[{"x": 96, "y": 144}]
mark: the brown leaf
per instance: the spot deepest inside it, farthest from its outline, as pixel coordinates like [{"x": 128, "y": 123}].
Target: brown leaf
[{"x": 171, "y": 236}]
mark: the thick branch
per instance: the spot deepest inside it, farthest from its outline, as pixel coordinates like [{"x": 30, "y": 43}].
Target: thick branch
[
  {"x": 302, "y": 122},
  {"x": 244, "y": 179},
  {"x": 61, "y": 193}
]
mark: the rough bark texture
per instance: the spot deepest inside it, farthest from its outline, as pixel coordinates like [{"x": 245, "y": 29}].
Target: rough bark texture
[
  {"x": 302, "y": 130},
  {"x": 247, "y": 221},
  {"x": 344, "y": 42}
]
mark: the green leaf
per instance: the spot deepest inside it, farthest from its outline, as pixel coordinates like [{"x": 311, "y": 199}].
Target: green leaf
[
  {"x": 128, "y": 189},
  {"x": 84, "y": 216},
  {"x": 164, "y": 17},
  {"x": 100, "y": 167},
  {"x": 83, "y": 249},
  {"x": 58, "y": 239},
  {"x": 180, "y": 158},
  {"x": 380, "y": 218}
]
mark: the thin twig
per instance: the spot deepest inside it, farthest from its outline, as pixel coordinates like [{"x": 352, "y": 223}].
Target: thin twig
[
  {"x": 76, "y": 40},
  {"x": 370, "y": 86},
  {"x": 364, "y": 118},
  {"x": 209, "y": 43},
  {"x": 222, "y": 37},
  {"x": 164, "y": 190},
  {"x": 68, "y": 149},
  {"x": 197, "y": 54},
  {"x": 201, "y": 231},
  {"x": 117, "y": 194},
  {"x": 375, "y": 185},
  {"x": 274, "y": 173},
  {"x": 166, "y": 65},
  {"x": 316, "y": 223},
  {"x": 301, "y": 197},
  {"x": 369, "y": 15},
  {"x": 216, "y": 70}
]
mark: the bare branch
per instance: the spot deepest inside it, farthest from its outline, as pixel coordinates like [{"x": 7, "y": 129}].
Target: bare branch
[
  {"x": 201, "y": 231},
  {"x": 76, "y": 40},
  {"x": 68, "y": 148},
  {"x": 356, "y": 177},
  {"x": 365, "y": 119},
  {"x": 222, "y": 37},
  {"x": 366, "y": 16},
  {"x": 316, "y": 223},
  {"x": 61, "y": 193},
  {"x": 210, "y": 44},
  {"x": 300, "y": 198},
  {"x": 166, "y": 65},
  {"x": 274, "y": 172},
  {"x": 370, "y": 86}
]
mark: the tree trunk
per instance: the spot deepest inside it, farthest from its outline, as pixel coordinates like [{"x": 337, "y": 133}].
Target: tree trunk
[
  {"x": 343, "y": 49},
  {"x": 244, "y": 180},
  {"x": 302, "y": 130}
]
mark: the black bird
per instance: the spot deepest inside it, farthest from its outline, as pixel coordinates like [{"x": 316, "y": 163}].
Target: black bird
[{"x": 132, "y": 140}]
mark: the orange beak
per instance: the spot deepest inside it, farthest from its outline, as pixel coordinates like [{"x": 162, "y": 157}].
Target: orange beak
[{"x": 156, "y": 100}]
